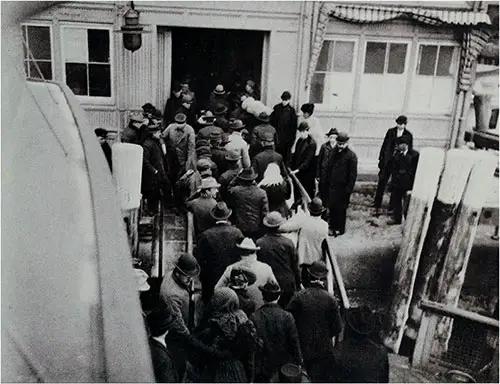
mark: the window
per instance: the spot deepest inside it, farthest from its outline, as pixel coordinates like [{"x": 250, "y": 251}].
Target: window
[
  {"x": 37, "y": 49},
  {"x": 332, "y": 85},
  {"x": 87, "y": 61},
  {"x": 384, "y": 71},
  {"x": 434, "y": 82}
]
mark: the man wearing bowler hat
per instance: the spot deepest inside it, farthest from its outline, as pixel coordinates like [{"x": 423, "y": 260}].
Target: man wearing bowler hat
[
  {"x": 241, "y": 279},
  {"x": 216, "y": 248},
  {"x": 248, "y": 202},
  {"x": 284, "y": 119},
  {"x": 218, "y": 97},
  {"x": 248, "y": 259},
  {"x": 237, "y": 144},
  {"x": 279, "y": 252},
  {"x": 318, "y": 321},
  {"x": 203, "y": 205},
  {"x": 267, "y": 156},
  {"x": 219, "y": 153},
  {"x": 389, "y": 146},
  {"x": 341, "y": 177},
  {"x": 276, "y": 327},
  {"x": 264, "y": 128},
  {"x": 325, "y": 154},
  {"x": 221, "y": 121}
]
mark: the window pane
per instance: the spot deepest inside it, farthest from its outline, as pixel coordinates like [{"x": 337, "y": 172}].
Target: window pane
[
  {"x": 76, "y": 78},
  {"x": 98, "y": 43},
  {"x": 427, "y": 56},
  {"x": 343, "y": 56},
  {"x": 397, "y": 57},
  {"x": 99, "y": 80},
  {"x": 317, "y": 88},
  {"x": 75, "y": 45},
  {"x": 25, "y": 51},
  {"x": 45, "y": 68},
  {"x": 375, "y": 57},
  {"x": 444, "y": 61},
  {"x": 325, "y": 56},
  {"x": 39, "y": 42}
]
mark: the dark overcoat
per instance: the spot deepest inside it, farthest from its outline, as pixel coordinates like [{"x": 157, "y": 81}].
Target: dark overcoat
[
  {"x": 215, "y": 251},
  {"x": 389, "y": 145},
  {"x": 250, "y": 206},
  {"x": 264, "y": 158},
  {"x": 280, "y": 254},
  {"x": 219, "y": 158},
  {"x": 276, "y": 327},
  {"x": 303, "y": 159},
  {"x": 325, "y": 154},
  {"x": 284, "y": 119},
  {"x": 163, "y": 365},
  {"x": 225, "y": 179},
  {"x": 342, "y": 174},
  {"x": 201, "y": 208},
  {"x": 153, "y": 161},
  {"x": 171, "y": 107},
  {"x": 277, "y": 194},
  {"x": 403, "y": 170}
]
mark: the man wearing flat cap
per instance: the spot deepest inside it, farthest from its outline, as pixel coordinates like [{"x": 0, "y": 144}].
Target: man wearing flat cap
[
  {"x": 392, "y": 139},
  {"x": 267, "y": 156},
  {"x": 341, "y": 177},
  {"x": 284, "y": 119}
]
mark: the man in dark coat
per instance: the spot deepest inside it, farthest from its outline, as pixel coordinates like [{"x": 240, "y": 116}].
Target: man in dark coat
[
  {"x": 276, "y": 327},
  {"x": 267, "y": 156},
  {"x": 102, "y": 134},
  {"x": 241, "y": 279},
  {"x": 264, "y": 128},
  {"x": 188, "y": 108},
  {"x": 357, "y": 359},
  {"x": 284, "y": 119},
  {"x": 342, "y": 174},
  {"x": 248, "y": 202},
  {"x": 404, "y": 167},
  {"x": 172, "y": 105},
  {"x": 318, "y": 321},
  {"x": 391, "y": 141},
  {"x": 216, "y": 249},
  {"x": 280, "y": 253},
  {"x": 234, "y": 168},
  {"x": 203, "y": 205},
  {"x": 220, "y": 112},
  {"x": 155, "y": 183},
  {"x": 219, "y": 153},
  {"x": 303, "y": 158},
  {"x": 325, "y": 154},
  {"x": 135, "y": 132}
]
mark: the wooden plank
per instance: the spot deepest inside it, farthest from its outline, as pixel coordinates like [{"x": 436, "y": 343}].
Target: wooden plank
[
  {"x": 454, "y": 312},
  {"x": 338, "y": 275},
  {"x": 425, "y": 338},
  {"x": 424, "y": 190}
]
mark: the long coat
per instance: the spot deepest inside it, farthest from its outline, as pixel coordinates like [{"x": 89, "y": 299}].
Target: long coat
[
  {"x": 180, "y": 143},
  {"x": 266, "y": 157},
  {"x": 163, "y": 365},
  {"x": 325, "y": 154},
  {"x": 303, "y": 159},
  {"x": 171, "y": 107},
  {"x": 225, "y": 179},
  {"x": 215, "y": 251},
  {"x": 219, "y": 158},
  {"x": 284, "y": 119},
  {"x": 277, "y": 194},
  {"x": 257, "y": 134},
  {"x": 201, "y": 208},
  {"x": 154, "y": 168},
  {"x": 342, "y": 174},
  {"x": 403, "y": 170},
  {"x": 276, "y": 327},
  {"x": 389, "y": 145},
  {"x": 250, "y": 205},
  {"x": 280, "y": 253}
]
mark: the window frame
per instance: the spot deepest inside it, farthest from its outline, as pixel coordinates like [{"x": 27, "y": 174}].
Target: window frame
[
  {"x": 456, "y": 52},
  {"x": 324, "y": 107},
  {"x": 387, "y": 41},
  {"x": 87, "y": 99},
  {"x": 51, "y": 32}
]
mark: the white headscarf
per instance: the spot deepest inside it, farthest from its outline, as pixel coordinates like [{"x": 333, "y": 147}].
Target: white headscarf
[{"x": 272, "y": 175}]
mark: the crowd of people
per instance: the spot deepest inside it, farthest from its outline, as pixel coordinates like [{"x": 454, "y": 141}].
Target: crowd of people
[{"x": 250, "y": 304}]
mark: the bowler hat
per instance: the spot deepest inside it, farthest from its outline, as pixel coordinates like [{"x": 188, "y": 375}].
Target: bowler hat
[
  {"x": 148, "y": 107},
  {"x": 220, "y": 211},
  {"x": 286, "y": 95},
  {"x": 101, "y": 132},
  {"x": 247, "y": 174},
  {"x": 266, "y": 137},
  {"x": 264, "y": 117},
  {"x": 342, "y": 137},
  {"x": 225, "y": 138},
  {"x": 290, "y": 373},
  {"x": 232, "y": 156},
  {"x": 241, "y": 277},
  {"x": 318, "y": 270},
  {"x": 154, "y": 127},
  {"x": 220, "y": 110},
  {"x": 332, "y": 131},
  {"x": 219, "y": 90},
  {"x": 187, "y": 265},
  {"x": 141, "y": 278},
  {"x": 247, "y": 244},
  {"x": 160, "y": 319},
  {"x": 273, "y": 219},
  {"x": 203, "y": 164},
  {"x": 303, "y": 126},
  {"x": 236, "y": 125},
  {"x": 270, "y": 287},
  {"x": 361, "y": 320},
  {"x": 316, "y": 207},
  {"x": 180, "y": 118},
  {"x": 202, "y": 143},
  {"x": 402, "y": 119},
  {"x": 209, "y": 183},
  {"x": 203, "y": 151}
]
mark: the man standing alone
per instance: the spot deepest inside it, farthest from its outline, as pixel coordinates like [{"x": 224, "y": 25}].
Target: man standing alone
[{"x": 284, "y": 119}]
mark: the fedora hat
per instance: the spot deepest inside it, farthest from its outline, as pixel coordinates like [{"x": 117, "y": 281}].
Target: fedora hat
[
  {"x": 241, "y": 278},
  {"x": 290, "y": 373},
  {"x": 154, "y": 127},
  {"x": 264, "y": 117},
  {"x": 361, "y": 320},
  {"x": 332, "y": 131},
  {"x": 247, "y": 174},
  {"x": 209, "y": 183},
  {"x": 318, "y": 270},
  {"x": 220, "y": 110},
  {"x": 316, "y": 206},
  {"x": 232, "y": 156},
  {"x": 220, "y": 211},
  {"x": 236, "y": 125},
  {"x": 207, "y": 118},
  {"x": 180, "y": 118},
  {"x": 141, "y": 278},
  {"x": 273, "y": 219},
  {"x": 219, "y": 90},
  {"x": 342, "y": 137},
  {"x": 270, "y": 287},
  {"x": 247, "y": 244},
  {"x": 187, "y": 265}
]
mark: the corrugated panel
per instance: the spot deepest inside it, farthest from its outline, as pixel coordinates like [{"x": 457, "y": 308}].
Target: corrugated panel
[{"x": 104, "y": 118}]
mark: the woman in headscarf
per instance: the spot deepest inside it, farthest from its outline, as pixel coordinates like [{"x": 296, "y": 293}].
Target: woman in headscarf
[
  {"x": 227, "y": 329},
  {"x": 278, "y": 189}
]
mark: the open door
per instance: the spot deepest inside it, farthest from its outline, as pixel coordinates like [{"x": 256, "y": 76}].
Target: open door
[{"x": 164, "y": 66}]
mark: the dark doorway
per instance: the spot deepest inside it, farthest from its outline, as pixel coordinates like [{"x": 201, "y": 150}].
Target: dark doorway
[{"x": 212, "y": 56}]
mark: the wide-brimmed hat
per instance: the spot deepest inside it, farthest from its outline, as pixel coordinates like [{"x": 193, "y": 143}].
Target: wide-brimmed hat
[
  {"x": 270, "y": 287},
  {"x": 247, "y": 174},
  {"x": 187, "y": 265},
  {"x": 264, "y": 117},
  {"x": 219, "y": 90},
  {"x": 207, "y": 118},
  {"x": 273, "y": 219},
  {"x": 232, "y": 157},
  {"x": 402, "y": 119},
  {"x": 317, "y": 270},
  {"x": 286, "y": 95},
  {"x": 220, "y": 211},
  {"x": 236, "y": 125},
  {"x": 241, "y": 277},
  {"x": 342, "y": 137},
  {"x": 290, "y": 373},
  {"x": 361, "y": 320},
  {"x": 141, "y": 279},
  {"x": 332, "y": 131},
  {"x": 247, "y": 244},
  {"x": 180, "y": 118},
  {"x": 220, "y": 110},
  {"x": 316, "y": 206},
  {"x": 208, "y": 183}
]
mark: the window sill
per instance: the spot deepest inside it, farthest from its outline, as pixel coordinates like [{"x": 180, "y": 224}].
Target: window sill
[{"x": 101, "y": 101}]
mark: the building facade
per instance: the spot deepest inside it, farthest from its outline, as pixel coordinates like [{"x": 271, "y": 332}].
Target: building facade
[{"x": 361, "y": 64}]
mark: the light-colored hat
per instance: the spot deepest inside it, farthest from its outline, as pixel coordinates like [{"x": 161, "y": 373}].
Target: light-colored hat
[
  {"x": 209, "y": 183},
  {"x": 141, "y": 278},
  {"x": 219, "y": 90},
  {"x": 247, "y": 244},
  {"x": 273, "y": 219}
]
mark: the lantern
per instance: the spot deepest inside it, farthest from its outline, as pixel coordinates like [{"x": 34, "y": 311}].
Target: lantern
[{"x": 132, "y": 30}]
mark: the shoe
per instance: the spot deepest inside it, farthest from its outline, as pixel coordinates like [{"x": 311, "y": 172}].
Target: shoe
[{"x": 393, "y": 222}]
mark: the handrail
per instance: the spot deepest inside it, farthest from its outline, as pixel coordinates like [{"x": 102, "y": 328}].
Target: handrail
[
  {"x": 325, "y": 246},
  {"x": 454, "y": 312},
  {"x": 306, "y": 199},
  {"x": 189, "y": 233}
]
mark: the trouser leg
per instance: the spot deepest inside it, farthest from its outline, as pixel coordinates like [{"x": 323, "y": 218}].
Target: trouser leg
[
  {"x": 383, "y": 177},
  {"x": 397, "y": 201}
]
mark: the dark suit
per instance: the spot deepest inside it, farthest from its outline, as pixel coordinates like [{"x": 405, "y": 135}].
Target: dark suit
[
  {"x": 171, "y": 107},
  {"x": 201, "y": 208},
  {"x": 276, "y": 327},
  {"x": 325, "y": 154},
  {"x": 219, "y": 158},
  {"x": 284, "y": 119},
  {"x": 342, "y": 174},
  {"x": 216, "y": 250},
  {"x": 155, "y": 182},
  {"x": 391, "y": 141},
  {"x": 163, "y": 365},
  {"x": 264, "y": 158},
  {"x": 280, "y": 254},
  {"x": 303, "y": 159},
  {"x": 403, "y": 174}
]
